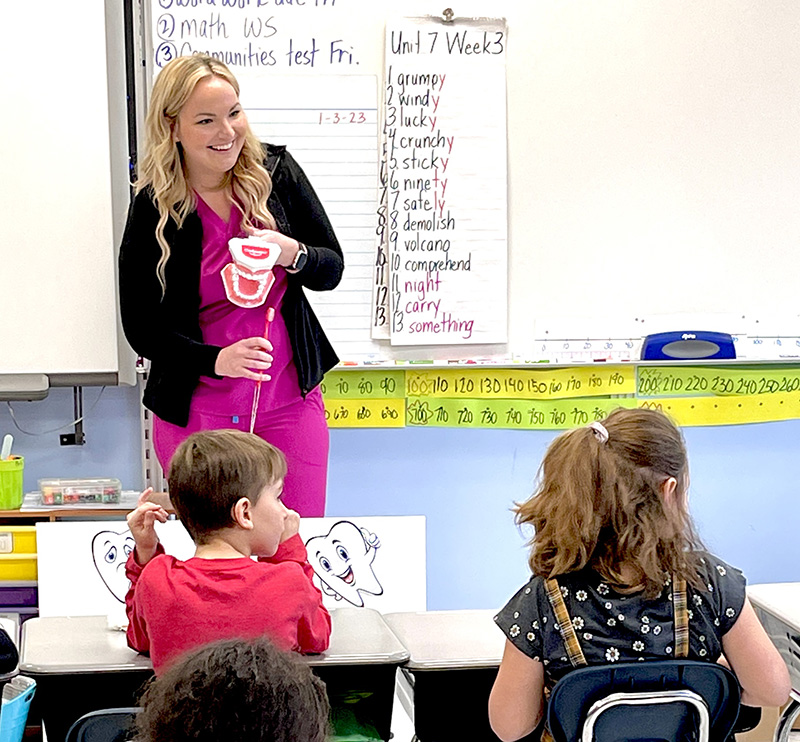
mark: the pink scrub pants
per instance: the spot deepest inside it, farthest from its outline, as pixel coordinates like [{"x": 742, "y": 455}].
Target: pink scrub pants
[{"x": 298, "y": 429}]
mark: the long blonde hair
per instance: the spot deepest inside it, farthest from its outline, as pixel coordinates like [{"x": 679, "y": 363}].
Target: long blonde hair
[
  {"x": 162, "y": 167},
  {"x": 600, "y": 503}
]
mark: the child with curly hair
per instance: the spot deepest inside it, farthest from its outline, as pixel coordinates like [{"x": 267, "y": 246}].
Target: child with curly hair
[{"x": 235, "y": 690}]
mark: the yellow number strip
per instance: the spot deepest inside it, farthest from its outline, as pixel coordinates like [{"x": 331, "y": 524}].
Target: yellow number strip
[
  {"x": 365, "y": 413},
  {"x": 715, "y": 381},
  {"x": 487, "y": 383},
  {"x": 690, "y": 411},
  {"x": 556, "y": 399},
  {"x": 509, "y": 413},
  {"x": 364, "y": 385}
]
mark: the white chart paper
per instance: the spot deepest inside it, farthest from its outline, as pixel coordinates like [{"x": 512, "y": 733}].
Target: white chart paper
[{"x": 447, "y": 195}]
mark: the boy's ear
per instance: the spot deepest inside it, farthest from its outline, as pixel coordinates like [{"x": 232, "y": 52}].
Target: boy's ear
[{"x": 242, "y": 513}]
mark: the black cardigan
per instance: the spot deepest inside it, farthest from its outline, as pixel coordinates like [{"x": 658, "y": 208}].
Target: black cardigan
[{"x": 166, "y": 329}]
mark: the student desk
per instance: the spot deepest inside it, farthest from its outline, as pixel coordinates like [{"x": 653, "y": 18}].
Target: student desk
[
  {"x": 80, "y": 665},
  {"x": 453, "y": 664},
  {"x": 361, "y": 662},
  {"x": 778, "y": 607}
]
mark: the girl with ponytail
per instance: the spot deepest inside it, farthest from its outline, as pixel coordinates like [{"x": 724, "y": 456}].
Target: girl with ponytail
[{"x": 615, "y": 548}]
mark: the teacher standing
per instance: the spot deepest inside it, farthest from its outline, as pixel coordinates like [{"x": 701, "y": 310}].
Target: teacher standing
[{"x": 195, "y": 310}]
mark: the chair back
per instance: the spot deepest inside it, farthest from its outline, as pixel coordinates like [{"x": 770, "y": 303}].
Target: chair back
[
  {"x": 14, "y": 713},
  {"x": 673, "y": 701},
  {"x": 106, "y": 725}
]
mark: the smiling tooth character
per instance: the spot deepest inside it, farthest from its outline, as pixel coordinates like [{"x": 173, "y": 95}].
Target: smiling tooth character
[
  {"x": 342, "y": 559},
  {"x": 110, "y": 551}
]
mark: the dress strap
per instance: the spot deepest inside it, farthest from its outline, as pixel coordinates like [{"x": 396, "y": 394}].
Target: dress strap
[
  {"x": 680, "y": 617},
  {"x": 564, "y": 623}
]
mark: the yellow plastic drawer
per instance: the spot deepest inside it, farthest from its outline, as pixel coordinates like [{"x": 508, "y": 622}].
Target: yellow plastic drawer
[
  {"x": 18, "y": 567},
  {"x": 17, "y": 540}
]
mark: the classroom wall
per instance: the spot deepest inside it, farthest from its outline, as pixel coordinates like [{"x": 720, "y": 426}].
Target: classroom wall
[
  {"x": 605, "y": 97},
  {"x": 743, "y": 493},
  {"x": 650, "y": 143}
]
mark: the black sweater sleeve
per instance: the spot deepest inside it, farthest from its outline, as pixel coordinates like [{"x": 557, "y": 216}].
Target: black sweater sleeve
[
  {"x": 163, "y": 325},
  {"x": 310, "y": 225}
]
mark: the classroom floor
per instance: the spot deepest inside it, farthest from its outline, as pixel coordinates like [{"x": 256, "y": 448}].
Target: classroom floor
[{"x": 765, "y": 731}]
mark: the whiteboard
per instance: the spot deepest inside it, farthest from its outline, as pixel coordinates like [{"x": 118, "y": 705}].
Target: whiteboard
[
  {"x": 65, "y": 190},
  {"x": 653, "y": 165}
]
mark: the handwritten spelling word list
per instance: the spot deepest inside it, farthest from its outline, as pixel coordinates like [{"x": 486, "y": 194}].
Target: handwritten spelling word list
[{"x": 447, "y": 196}]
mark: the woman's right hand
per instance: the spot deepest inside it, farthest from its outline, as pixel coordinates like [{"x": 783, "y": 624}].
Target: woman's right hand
[{"x": 245, "y": 359}]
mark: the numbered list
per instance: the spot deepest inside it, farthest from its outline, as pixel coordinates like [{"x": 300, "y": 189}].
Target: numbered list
[
  {"x": 445, "y": 182},
  {"x": 282, "y": 35}
]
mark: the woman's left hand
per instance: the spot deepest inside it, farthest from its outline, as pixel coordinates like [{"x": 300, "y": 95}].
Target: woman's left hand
[{"x": 288, "y": 245}]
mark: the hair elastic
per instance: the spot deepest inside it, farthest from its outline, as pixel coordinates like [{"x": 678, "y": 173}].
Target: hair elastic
[{"x": 600, "y": 431}]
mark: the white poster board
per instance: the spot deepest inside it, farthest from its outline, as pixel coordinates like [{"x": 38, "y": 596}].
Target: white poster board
[
  {"x": 372, "y": 562},
  {"x": 64, "y": 214}
]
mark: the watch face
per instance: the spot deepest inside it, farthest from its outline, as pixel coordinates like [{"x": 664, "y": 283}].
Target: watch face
[{"x": 300, "y": 260}]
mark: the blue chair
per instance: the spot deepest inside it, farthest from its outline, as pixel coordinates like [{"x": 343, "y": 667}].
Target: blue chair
[
  {"x": 14, "y": 713},
  {"x": 673, "y": 701},
  {"x": 106, "y": 725}
]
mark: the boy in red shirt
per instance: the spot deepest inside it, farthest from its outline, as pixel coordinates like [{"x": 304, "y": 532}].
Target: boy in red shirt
[{"x": 225, "y": 486}]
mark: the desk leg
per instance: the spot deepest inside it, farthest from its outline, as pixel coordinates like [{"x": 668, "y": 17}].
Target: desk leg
[{"x": 788, "y": 716}]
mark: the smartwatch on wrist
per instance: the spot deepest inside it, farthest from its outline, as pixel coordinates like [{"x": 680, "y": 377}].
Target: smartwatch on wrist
[{"x": 300, "y": 259}]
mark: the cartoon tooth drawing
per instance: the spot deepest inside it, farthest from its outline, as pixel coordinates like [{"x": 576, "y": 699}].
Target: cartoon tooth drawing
[
  {"x": 342, "y": 560},
  {"x": 110, "y": 551}
]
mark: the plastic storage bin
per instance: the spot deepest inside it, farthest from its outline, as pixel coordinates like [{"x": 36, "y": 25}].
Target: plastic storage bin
[
  {"x": 11, "y": 483},
  {"x": 17, "y": 539},
  {"x": 14, "y": 595},
  {"x": 76, "y": 491},
  {"x": 14, "y": 714},
  {"x": 14, "y": 567}
]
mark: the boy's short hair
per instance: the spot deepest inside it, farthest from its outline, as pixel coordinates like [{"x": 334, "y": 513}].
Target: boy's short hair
[
  {"x": 212, "y": 470},
  {"x": 235, "y": 690}
]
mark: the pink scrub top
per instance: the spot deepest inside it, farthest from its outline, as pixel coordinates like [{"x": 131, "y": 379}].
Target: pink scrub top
[{"x": 224, "y": 323}]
